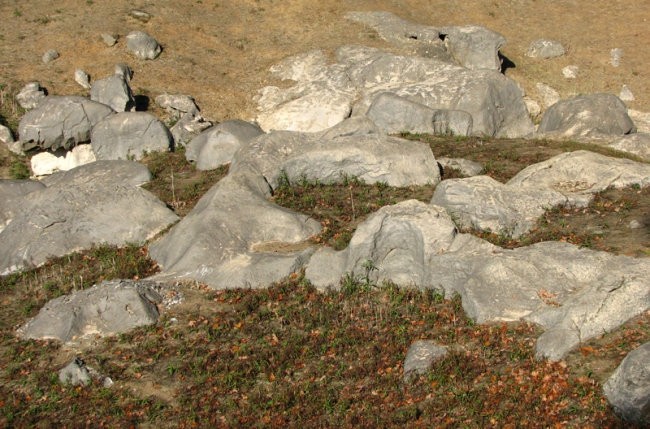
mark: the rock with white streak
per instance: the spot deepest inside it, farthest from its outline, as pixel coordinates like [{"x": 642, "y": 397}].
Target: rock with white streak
[{"x": 46, "y": 163}]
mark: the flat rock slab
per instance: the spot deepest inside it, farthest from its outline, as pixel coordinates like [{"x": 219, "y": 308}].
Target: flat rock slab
[
  {"x": 109, "y": 308},
  {"x": 130, "y": 135},
  {"x": 61, "y": 122},
  {"x": 75, "y": 214}
]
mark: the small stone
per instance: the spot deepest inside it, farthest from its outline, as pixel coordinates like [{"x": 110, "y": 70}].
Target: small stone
[
  {"x": 570, "y": 72},
  {"x": 420, "y": 357},
  {"x": 30, "y": 96},
  {"x": 108, "y": 382},
  {"x": 82, "y": 78},
  {"x": 543, "y": 48},
  {"x": 50, "y": 56},
  {"x": 616, "y": 55},
  {"x": 548, "y": 95},
  {"x": 109, "y": 39},
  {"x": 5, "y": 135},
  {"x": 635, "y": 224},
  {"x": 626, "y": 94},
  {"x": 140, "y": 15},
  {"x": 75, "y": 373},
  {"x": 124, "y": 70}
]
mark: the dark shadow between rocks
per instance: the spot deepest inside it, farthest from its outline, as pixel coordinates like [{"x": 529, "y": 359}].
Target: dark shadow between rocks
[
  {"x": 141, "y": 103},
  {"x": 506, "y": 63}
]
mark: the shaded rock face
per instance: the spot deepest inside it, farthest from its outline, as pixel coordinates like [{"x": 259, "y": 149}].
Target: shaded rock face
[
  {"x": 592, "y": 115},
  {"x": 130, "y": 135},
  {"x": 81, "y": 208},
  {"x": 111, "y": 307},
  {"x": 61, "y": 122},
  {"x": 628, "y": 388}
]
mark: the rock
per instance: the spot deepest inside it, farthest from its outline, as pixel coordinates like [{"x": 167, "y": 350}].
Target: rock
[
  {"x": 124, "y": 70},
  {"x": 217, "y": 145},
  {"x": 548, "y": 95},
  {"x": 635, "y": 224},
  {"x": 452, "y": 123},
  {"x": 113, "y": 91},
  {"x": 50, "y": 56},
  {"x": 177, "y": 105},
  {"x": 142, "y": 45},
  {"x": 403, "y": 235},
  {"x": 130, "y": 135},
  {"x": 395, "y": 29},
  {"x": 77, "y": 210},
  {"x": 30, "y": 96},
  {"x": 637, "y": 144},
  {"x": 626, "y": 94},
  {"x": 6, "y": 136},
  {"x": 616, "y": 55},
  {"x": 474, "y": 47},
  {"x": 11, "y": 191},
  {"x": 187, "y": 128},
  {"x": 109, "y": 39},
  {"x": 533, "y": 107},
  {"x": 465, "y": 166},
  {"x": 123, "y": 172},
  {"x": 109, "y": 308},
  {"x": 641, "y": 120},
  {"x": 46, "y": 163},
  {"x": 140, "y": 15},
  {"x": 628, "y": 388},
  {"x": 327, "y": 157},
  {"x": 587, "y": 116},
  {"x": 420, "y": 356},
  {"x": 82, "y": 78},
  {"x": 75, "y": 374},
  {"x": 570, "y": 72},
  {"x": 235, "y": 237},
  {"x": 61, "y": 121},
  {"x": 544, "y": 48},
  {"x": 482, "y": 203}
]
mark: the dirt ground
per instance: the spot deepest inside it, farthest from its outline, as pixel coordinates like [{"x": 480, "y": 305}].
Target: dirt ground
[{"x": 220, "y": 51}]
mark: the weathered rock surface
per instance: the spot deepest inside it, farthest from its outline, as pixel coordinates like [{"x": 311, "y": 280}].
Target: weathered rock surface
[
  {"x": 466, "y": 167},
  {"x": 420, "y": 356},
  {"x": 396, "y": 30},
  {"x": 109, "y": 39},
  {"x": 75, "y": 374},
  {"x": 113, "y": 91},
  {"x": 544, "y": 48},
  {"x": 10, "y": 193},
  {"x": 217, "y": 145},
  {"x": 548, "y": 95},
  {"x": 187, "y": 128},
  {"x": 45, "y": 163},
  {"x": 591, "y": 115},
  {"x": 30, "y": 95},
  {"x": 123, "y": 172},
  {"x": 108, "y": 308},
  {"x": 130, "y": 135},
  {"x": 177, "y": 104},
  {"x": 50, "y": 55},
  {"x": 474, "y": 47},
  {"x": 82, "y": 78},
  {"x": 142, "y": 45},
  {"x": 5, "y": 135},
  {"x": 61, "y": 122},
  {"x": 637, "y": 144},
  {"x": 628, "y": 389},
  {"x": 82, "y": 207}
]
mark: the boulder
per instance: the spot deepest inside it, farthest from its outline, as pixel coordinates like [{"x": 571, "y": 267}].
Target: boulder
[
  {"x": 420, "y": 356},
  {"x": 142, "y": 45},
  {"x": 544, "y": 48},
  {"x": 217, "y": 145},
  {"x": 587, "y": 116},
  {"x": 82, "y": 78},
  {"x": 45, "y": 163},
  {"x": 130, "y": 135},
  {"x": 78, "y": 210},
  {"x": 61, "y": 122},
  {"x": 124, "y": 70},
  {"x": 30, "y": 95},
  {"x": 637, "y": 144},
  {"x": 177, "y": 105},
  {"x": 109, "y": 308},
  {"x": 75, "y": 374},
  {"x": 474, "y": 47},
  {"x": 466, "y": 167},
  {"x": 124, "y": 172},
  {"x": 113, "y": 91},
  {"x": 628, "y": 388},
  {"x": 187, "y": 128}
]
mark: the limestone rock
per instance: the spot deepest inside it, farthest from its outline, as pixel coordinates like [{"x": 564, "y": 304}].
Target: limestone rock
[
  {"x": 570, "y": 72},
  {"x": 5, "y": 135},
  {"x": 637, "y": 144},
  {"x": 140, "y": 15},
  {"x": 11, "y": 191},
  {"x": 50, "y": 56},
  {"x": 30, "y": 95},
  {"x": 217, "y": 145},
  {"x": 109, "y": 308},
  {"x": 142, "y": 45},
  {"x": 130, "y": 135},
  {"x": 548, "y": 95},
  {"x": 177, "y": 105},
  {"x": 544, "y": 48},
  {"x": 465, "y": 166},
  {"x": 82, "y": 78},
  {"x": 615, "y": 56},
  {"x": 124, "y": 70},
  {"x": 109, "y": 39},
  {"x": 85, "y": 206},
  {"x": 45, "y": 163},
  {"x": 113, "y": 91},
  {"x": 587, "y": 116},
  {"x": 626, "y": 94},
  {"x": 395, "y": 29},
  {"x": 75, "y": 374},
  {"x": 61, "y": 121},
  {"x": 420, "y": 356},
  {"x": 187, "y": 128},
  {"x": 628, "y": 388},
  {"x": 123, "y": 172},
  {"x": 641, "y": 120},
  {"x": 474, "y": 47}
]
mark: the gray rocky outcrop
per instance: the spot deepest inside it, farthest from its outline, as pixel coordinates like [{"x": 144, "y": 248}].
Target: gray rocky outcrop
[
  {"x": 130, "y": 135},
  {"x": 545, "y": 48},
  {"x": 474, "y": 47},
  {"x": 89, "y": 205},
  {"x": 217, "y": 145},
  {"x": 45, "y": 163},
  {"x": 113, "y": 91},
  {"x": 420, "y": 356},
  {"x": 109, "y": 308},
  {"x": 628, "y": 388},
  {"x": 61, "y": 122},
  {"x": 591, "y": 115},
  {"x": 30, "y": 95},
  {"x": 142, "y": 45}
]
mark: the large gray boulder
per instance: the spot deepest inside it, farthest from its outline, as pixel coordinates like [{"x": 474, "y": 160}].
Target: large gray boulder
[
  {"x": 142, "y": 45},
  {"x": 130, "y": 135},
  {"x": 591, "y": 115},
  {"x": 628, "y": 388},
  {"x": 111, "y": 307},
  {"x": 474, "y": 47},
  {"x": 92, "y": 207},
  {"x": 113, "y": 91},
  {"x": 61, "y": 122},
  {"x": 235, "y": 237},
  {"x": 217, "y": 145}
]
